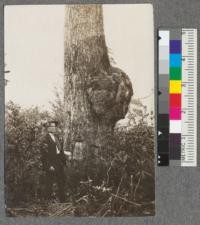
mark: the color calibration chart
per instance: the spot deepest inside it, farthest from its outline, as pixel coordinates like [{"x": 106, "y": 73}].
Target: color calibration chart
[{"x": 177, "y": 97}]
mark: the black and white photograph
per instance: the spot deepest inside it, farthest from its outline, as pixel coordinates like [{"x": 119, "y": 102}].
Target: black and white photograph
[{"x": 79, "y": 110}]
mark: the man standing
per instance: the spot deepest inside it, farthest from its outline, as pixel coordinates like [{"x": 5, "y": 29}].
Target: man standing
[{"x": 53, "y": 160}]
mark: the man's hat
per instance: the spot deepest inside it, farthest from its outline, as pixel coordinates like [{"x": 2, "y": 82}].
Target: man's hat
[{"x": 50, "y": 123}]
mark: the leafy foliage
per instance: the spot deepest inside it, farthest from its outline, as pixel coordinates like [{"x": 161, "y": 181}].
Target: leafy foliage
[
  {"x": 119, "y": 182},
  {"x": 23, "y": 144}
]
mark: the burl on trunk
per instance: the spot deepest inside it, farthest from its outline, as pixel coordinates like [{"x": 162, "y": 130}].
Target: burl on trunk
[{"x": 96, "y": 95}]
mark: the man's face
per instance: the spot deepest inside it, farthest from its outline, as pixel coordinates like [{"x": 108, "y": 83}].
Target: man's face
[{"x": 52, "y": 128}]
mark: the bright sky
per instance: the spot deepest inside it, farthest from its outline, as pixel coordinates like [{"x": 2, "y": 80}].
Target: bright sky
[{"x": 34, "y": 50}]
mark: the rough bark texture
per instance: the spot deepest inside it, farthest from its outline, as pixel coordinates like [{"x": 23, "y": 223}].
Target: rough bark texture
[{"x": 97, "y": 95}]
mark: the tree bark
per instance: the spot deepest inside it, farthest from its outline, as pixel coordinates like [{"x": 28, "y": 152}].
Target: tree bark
[{"x": 96, "y": 95}]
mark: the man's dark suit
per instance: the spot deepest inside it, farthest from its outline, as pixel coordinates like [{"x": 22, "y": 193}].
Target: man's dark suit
[{"x": 50, "y": 158}]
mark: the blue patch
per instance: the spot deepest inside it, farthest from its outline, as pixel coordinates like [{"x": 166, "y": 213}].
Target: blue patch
[{"x": 175, "y": 60}]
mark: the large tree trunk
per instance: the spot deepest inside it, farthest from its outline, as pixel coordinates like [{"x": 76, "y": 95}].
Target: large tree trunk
[{"x": 96, "y": 94}]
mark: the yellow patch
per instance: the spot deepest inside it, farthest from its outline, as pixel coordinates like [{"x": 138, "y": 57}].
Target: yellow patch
[{"x": 174, "y": 86}]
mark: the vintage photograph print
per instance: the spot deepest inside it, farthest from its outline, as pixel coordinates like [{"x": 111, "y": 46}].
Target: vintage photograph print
[{"x": 79, "y": 110}]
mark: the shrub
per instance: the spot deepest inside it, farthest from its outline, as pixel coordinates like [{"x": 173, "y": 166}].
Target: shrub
[
  {"x": 23, "y": 169},
  {"x": 118, "y": 182}
]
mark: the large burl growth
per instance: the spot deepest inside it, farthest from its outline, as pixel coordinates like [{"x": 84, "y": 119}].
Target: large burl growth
[{"x": 97, "y": 95}]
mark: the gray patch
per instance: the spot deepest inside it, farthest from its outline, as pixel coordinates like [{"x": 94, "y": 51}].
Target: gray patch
[
  {"x": 163, "y": 80},
  {"x": 164, "y": 96},
  {"x": 175, "y": 163},
  {"x": 175, "y": 34},
  {"x": 163, "y": 107},
  {"x": 163, "y": 66},
  {"x": 164, "y": 53}
]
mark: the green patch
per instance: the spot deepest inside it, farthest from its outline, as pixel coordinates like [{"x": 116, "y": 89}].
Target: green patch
[{"x": 175, "y": 73}]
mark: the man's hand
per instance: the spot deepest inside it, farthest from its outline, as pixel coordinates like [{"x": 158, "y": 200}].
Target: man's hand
[
  {"x": 45, "y": 148},
  {"x": 52, "y": 168}
]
